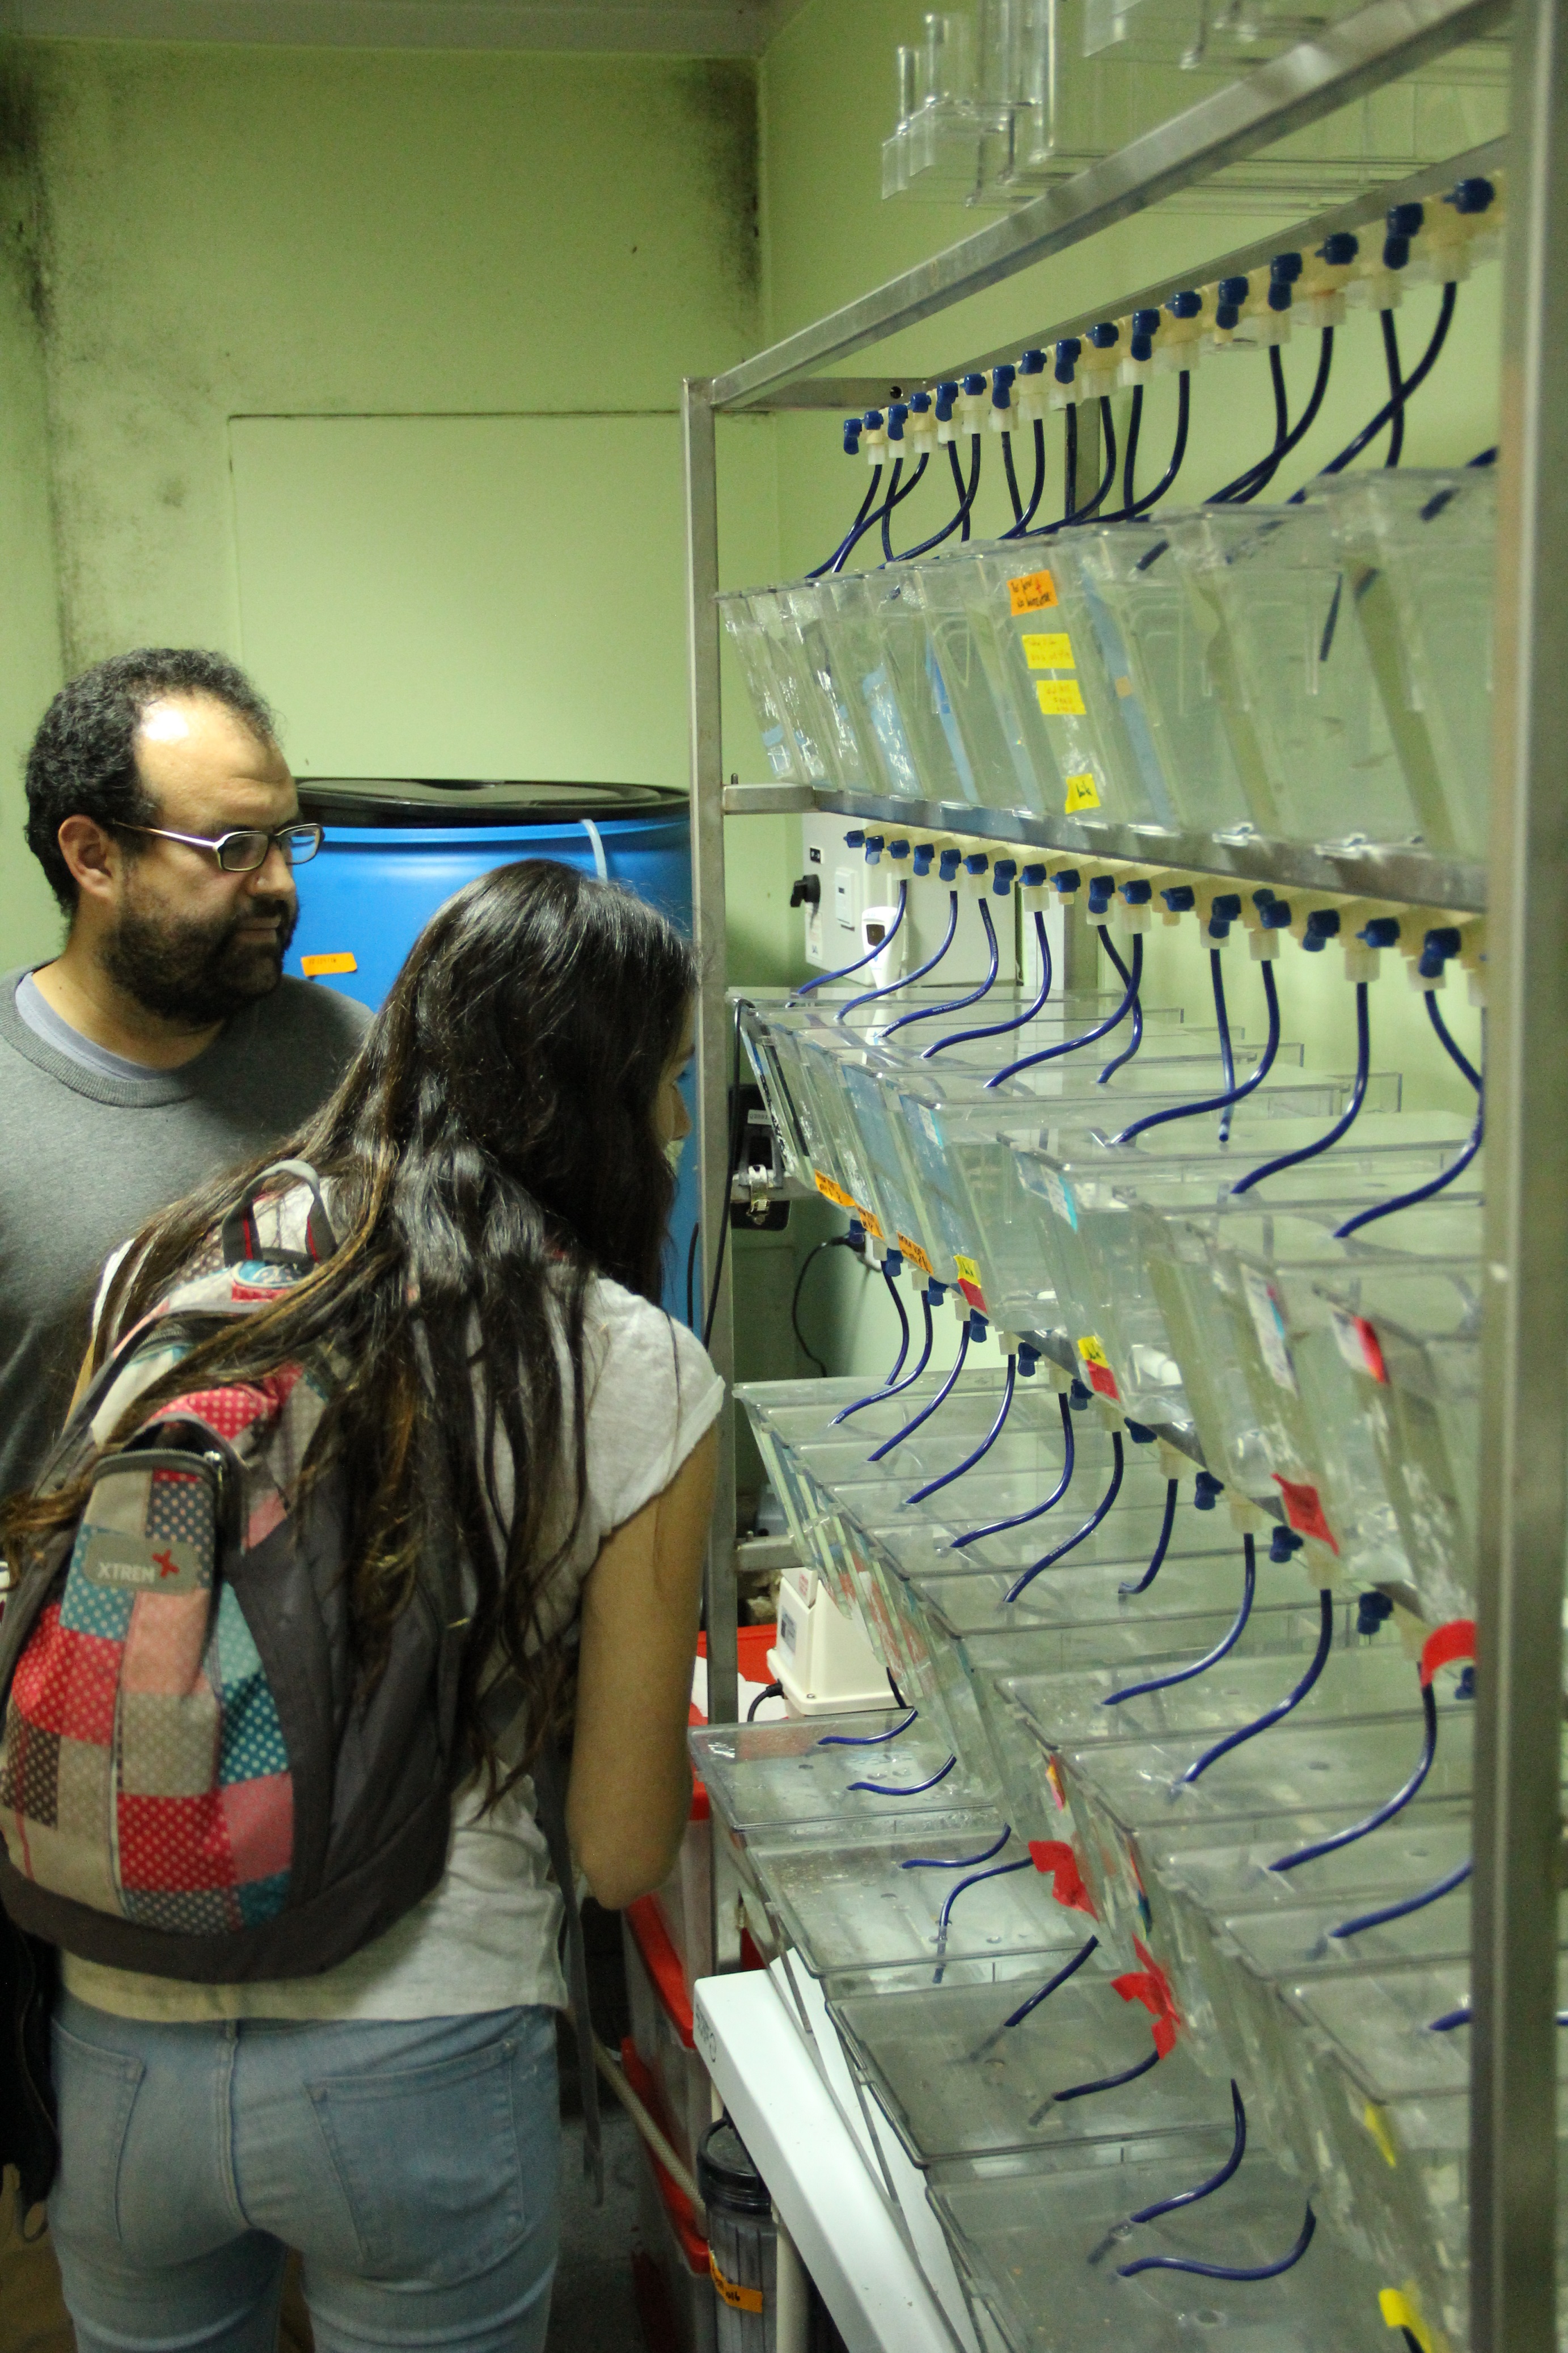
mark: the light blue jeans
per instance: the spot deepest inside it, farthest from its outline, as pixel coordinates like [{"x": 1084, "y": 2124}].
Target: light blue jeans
[{"x": 413, "y": 2165}]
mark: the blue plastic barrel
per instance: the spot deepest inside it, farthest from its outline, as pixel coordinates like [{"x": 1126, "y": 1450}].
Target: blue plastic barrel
[{"x": 395, "y": 851}]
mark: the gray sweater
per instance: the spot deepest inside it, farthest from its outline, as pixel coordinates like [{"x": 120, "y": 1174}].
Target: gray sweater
[{"x": 85, "y": 1159}]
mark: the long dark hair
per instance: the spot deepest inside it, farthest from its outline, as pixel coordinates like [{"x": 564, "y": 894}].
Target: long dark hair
[{"x": 491, "y": 1148}]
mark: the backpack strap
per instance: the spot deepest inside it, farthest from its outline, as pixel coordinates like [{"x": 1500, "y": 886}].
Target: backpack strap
[
  {"x": 241, "y": 1239},
  {"x": 550, "y": 1789}
]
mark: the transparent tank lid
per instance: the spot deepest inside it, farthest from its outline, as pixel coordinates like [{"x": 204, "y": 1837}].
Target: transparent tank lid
[{"x": 475, "y": 800}]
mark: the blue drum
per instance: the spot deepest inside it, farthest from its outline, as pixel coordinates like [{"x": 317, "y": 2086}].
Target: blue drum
[{"x": 394, "y": 852}]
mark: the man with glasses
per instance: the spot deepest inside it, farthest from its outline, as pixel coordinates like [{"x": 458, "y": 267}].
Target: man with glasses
[{"x": 164, "y": 1042}]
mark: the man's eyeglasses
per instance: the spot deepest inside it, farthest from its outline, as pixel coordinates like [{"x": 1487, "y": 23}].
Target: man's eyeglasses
[{"x": 242, "y": 851}]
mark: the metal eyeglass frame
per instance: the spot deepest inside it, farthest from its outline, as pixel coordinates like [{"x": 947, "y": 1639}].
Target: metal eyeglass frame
[{"x": 274, "y": 838}]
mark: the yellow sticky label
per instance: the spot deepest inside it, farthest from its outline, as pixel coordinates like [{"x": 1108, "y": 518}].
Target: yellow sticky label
[
  {"x": 1059, "y": 698},
  {"x": 915, "y": 1255},
  {"x": 1090, "y": 1350},
  {"x": 1047, "y": 649},
  {"x": 833, "y": 1192},
  {"x": 1376, "y": 2124},
  {"x": 969, "y": 1281},
  {"x": 1081, "y": 795},
  {"x": 739, "y": 2299},
  {"x": 315, "y": 967},
  {"x": 1399, "y": 2312},
  {"x": 1032, "y": 592},
  {"x": 868, "y": 1219}
]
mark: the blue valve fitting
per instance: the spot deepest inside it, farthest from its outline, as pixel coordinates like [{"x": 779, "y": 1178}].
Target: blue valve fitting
[
  {"x": 1067, "y": 352},
  {"x": 976, "y": 863},
  {"x": 852, "y": 437},
  {"x": 1466, "y": 1686},
  {"x": 946, "y": 393},
  {"x": 1322, "y": 925},
  {"x": 873, "y": 421},
  {"x": 1472, "y": 195},
  {"x": 935, "y": 1292},
  {"x": 919, "y": 402},
  {"x": 1002, "y": 381},
  {"x": 1371, "y": 1611},
  {"x": 897, "y": 847},
  {"x": 896, "y": 412},
  {"x": 857, "y": 1235},
  {"x": 1002, "y": 875},
  {"x": 1233, "y": 293},
  {"x": 1138, "y": 894},
  {"x": 1206, "y": 1490},
  {"x": 1283, "y": 272},
  {"x": 1276, "y": 916},
  {"x": 875, "y": 845},
  {"x": 1181, "y": 898},
  {"x": 1079, "y": 1396},
  {"x": 1340, "y": 249},
  {"x": 1101, "y": 891},
  {"x": 1028, "y": 1358},
  {"x": 1186, "y": 304},
  {"x": 1103, "y": 336},
  {"x": 1225, "y": 909},
  {"x": 924, "y": 853},
  {"x": 1145, "y": 327},
  {"x": 1067, "y": 880},
  {"x": 1032, "y": 877},
  {"x": 1031, "y": 363},
  {"x": 977, "y": 1325},
  {"x": 1382, "y": 932},
  {"x": 948, "y": 865},
  {"x": 1140, "y": 1434},
  {"x": 1403, "y": 222},
  {"x": 1435, "y": 949},
  {"x": 853, "y": 839},
  {"x": 973, "y": 383},
  {"x": 1283, "y": 1542}
]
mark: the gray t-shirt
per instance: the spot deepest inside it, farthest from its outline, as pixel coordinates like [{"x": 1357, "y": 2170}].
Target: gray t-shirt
[{"x": 86, "y": 1158}]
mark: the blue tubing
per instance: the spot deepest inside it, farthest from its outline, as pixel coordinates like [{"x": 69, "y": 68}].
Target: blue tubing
[
  {"x": 853, "y": 533},
  {"x": 957, "y": 1004},
  {"x": 869, "y": 996},
  {"x": 1236, "y": 1094},
  {"x": 932, "y": 1486},
  {"x": 998, "y": 1871},
  {"x": 957, "y": 1861},
  {"x": 1409, "y": 1903},
  {"x": 1050, "y": 1559},
  {"x": 1000, "y": 1029},
  {"x": 998, "y": 1527},
  {"x": 1436, "y": 1185},
  {"x": 914, "y": 1789},
  {"x": 926, "y": 1411},
  {"x": 1202, "y": 1666},
  {"x": 1068, "y": 1970},
  {"x": 1462, "y": 2017},
  {"x": 865, "y": 522},
  {"x": 965, "y": 501},
  {"x": 1225, "y": 2271},
  {"x": 1275, "y": 1715},
  {"x": 1216, "y": 983},
  {"x": 866, "y": 1739},
  {"x": 1106, "y": 2083},
  {"x": 1172, "y": 1489},
  {"x": 1089, "y": 1037},
  {"x": 1015, "y": 530},
  {"x": 1454, "y": 1053},
  {"x": 1340, "y": 1125},
  {"x": 1396, "y": 1804},
  {"x": 1137, "y": 1039},
  {"x": 1216, "y": 2180},
  {"x": 895, "y": 1387},
  {"x": 861, "y": 962}
]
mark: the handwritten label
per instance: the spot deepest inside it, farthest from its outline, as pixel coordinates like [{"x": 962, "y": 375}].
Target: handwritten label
[
  {"x": 1304, "y": 1510},
  {"x": 315, "y": 967},
  {"x": 916, "y": 1256},
  {"x": 1050, "y": 650},
  {"x": 1059, "y": 698},
  {"x": 1081, "y": 793},
  {"x": 1032, "y": 592},
  {"x": 739, "y": 2299},
  {"x": 833, "y": 1192}
]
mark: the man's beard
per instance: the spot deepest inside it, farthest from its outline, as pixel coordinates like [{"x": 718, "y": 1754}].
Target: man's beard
[{"x": 195, "y": 973}]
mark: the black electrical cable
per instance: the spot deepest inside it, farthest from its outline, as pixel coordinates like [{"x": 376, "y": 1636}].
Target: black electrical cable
[
  {"x": 691, "y": 1272},
  {"x": 737, "y": 1129},
  {"x": 855, "y": 529},
  {"x": 769, "y": 1691},
  {"x": 832, "y": 1241},
  {"x": 965, "y": 501},
  {"x": 1410, "y": 383}
]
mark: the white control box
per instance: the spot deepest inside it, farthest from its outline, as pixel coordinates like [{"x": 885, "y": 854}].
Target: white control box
[{"x": 821, "y": 1659}]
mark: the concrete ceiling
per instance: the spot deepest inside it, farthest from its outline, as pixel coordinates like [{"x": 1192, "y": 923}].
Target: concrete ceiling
[{"x": 713, "y": 28}]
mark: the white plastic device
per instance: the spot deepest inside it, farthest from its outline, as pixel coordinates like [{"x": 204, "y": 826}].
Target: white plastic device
[{"x": 821, "y": 1660}]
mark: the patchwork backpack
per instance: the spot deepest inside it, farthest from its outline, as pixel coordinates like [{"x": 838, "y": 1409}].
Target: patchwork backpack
[{"x": 192, "y": 1781}]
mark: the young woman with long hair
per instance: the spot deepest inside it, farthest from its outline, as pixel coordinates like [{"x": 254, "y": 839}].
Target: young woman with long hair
[{"x": 497, "y": 1170}]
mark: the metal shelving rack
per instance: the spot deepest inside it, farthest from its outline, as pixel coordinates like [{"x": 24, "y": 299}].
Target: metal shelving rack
[{"x": 1519, "y": 1845}]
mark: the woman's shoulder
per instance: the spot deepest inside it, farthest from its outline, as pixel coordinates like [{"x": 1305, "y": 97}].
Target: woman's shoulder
[
  {"x": 623, "y": 1329},
  {"x": 652, "y": 1394}
]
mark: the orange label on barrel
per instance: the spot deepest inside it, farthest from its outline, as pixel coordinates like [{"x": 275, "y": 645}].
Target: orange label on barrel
[{"x": 1032, "y": 592}]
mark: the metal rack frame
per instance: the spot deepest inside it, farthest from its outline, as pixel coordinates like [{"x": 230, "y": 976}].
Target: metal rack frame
[{"x": 1519, "y": 1846}]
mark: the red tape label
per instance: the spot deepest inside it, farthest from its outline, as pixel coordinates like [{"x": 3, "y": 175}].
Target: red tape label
[
  {"x": 1304, "y": 1511},
  {"x": 1056, "y": 1858},
  {"x": 1151, "y": 1986},
  {"x": 1457, "y": 1640}
]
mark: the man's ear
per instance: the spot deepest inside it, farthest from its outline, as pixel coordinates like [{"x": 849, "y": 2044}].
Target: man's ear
[{"x": 94, "y": 857}]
